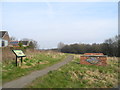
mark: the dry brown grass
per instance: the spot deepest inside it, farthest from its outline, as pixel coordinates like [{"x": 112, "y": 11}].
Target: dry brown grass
[
  {"x": 7, "y": 53},
  {"x": 94, "y": 76}
]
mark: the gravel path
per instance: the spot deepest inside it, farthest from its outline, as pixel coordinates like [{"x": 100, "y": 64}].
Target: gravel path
[{"x": 23, "y": 81}]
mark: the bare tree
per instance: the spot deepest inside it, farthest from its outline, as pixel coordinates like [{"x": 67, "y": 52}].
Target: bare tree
[
  {"x": 33, "y": 44},
  {"x": 60, "y": 46},
  {"x": 13, "y": 38},
  {"x": 26, "y": 39}
]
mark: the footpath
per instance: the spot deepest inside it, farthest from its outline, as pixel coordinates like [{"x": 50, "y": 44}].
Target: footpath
[{"x": 25, "y": 80}]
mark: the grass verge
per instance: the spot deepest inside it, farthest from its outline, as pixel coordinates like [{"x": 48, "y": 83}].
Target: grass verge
[
  {"x": 75, "y": 75},
  {"x": 32, "y": 63}
]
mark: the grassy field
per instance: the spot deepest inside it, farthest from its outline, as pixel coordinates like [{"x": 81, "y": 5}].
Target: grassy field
[
  {"x": 75, "y": 75},
  {"x": 34, "y": 61}
]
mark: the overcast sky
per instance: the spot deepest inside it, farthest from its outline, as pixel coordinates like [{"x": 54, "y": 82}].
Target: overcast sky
[{"x": 52, "y": 22}]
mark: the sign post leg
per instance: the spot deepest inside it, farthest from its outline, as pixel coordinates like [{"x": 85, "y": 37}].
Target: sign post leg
[
  {"x": 21, "y": 60},
  {"x": 16, "y": 60}
]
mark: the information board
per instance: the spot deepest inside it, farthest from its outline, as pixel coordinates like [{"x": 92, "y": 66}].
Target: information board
[
  {"x": 19, "y": 53},
  {"x": 92, "y": 60},
  {"x": 98, "y": 59}
]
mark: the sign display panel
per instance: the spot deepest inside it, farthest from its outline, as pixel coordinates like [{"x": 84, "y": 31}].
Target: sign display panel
[
  {"x": 19, "y": 53},
  {"x": 92, "y": 60}
]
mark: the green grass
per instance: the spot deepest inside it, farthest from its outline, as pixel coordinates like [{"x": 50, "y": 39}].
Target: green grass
[
  {"x": 36, "y": 62},
  {"x": 74, "y": 75}
]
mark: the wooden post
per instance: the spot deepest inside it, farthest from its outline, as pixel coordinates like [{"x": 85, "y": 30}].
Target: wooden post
[
  {"x": 21, "y": 60},
  {"x": 16, "y": 60}
]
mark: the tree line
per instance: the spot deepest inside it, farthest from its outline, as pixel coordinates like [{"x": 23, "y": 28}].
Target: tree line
[{"x": 108, "y": 47}]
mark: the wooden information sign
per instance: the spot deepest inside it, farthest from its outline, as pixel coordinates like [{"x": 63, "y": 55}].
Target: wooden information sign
[{"x": 19, "y": 54}]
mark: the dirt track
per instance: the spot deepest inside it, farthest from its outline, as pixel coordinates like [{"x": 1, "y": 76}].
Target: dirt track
[{"x": 23, "y": 81}]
